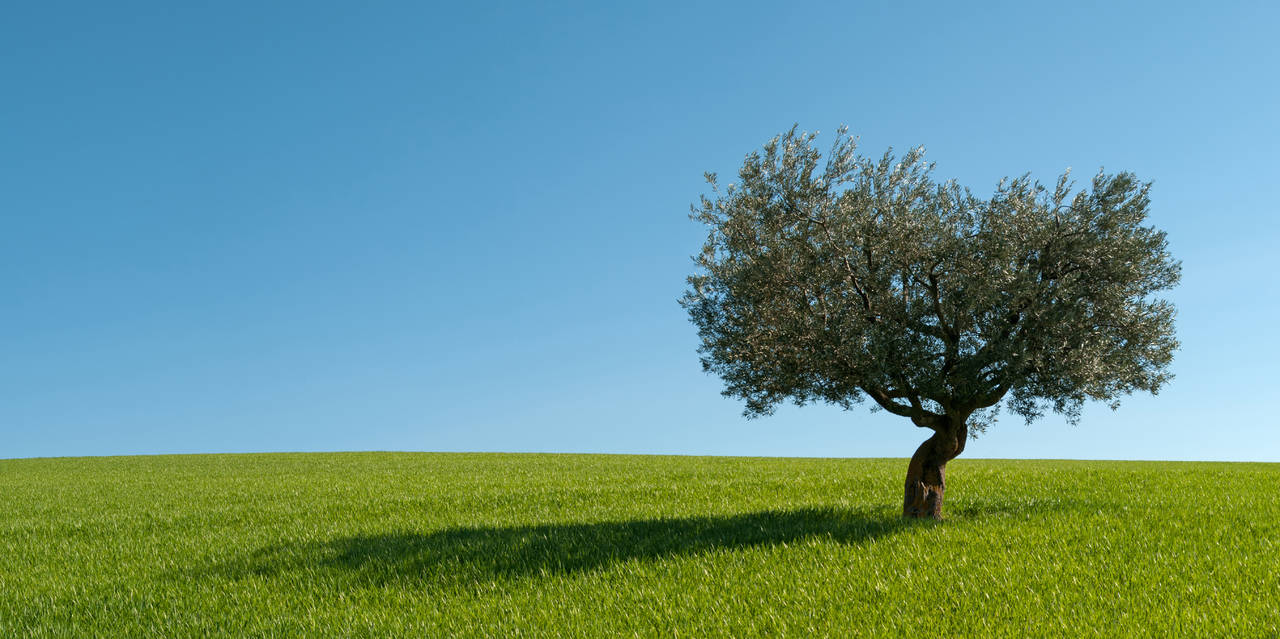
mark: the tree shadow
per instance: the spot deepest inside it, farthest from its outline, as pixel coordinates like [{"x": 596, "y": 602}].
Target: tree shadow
[{"x": 470, "y": 555}]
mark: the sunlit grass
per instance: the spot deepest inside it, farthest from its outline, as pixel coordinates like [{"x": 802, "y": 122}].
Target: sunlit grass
[{"x": 400, "y": 544}]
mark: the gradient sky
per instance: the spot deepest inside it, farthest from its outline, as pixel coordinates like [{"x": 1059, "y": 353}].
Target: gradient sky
[{"x": 353, "y": 226}]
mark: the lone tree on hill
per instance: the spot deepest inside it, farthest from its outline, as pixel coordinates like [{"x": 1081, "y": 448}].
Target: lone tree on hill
[{"x": 868, "y": 278}]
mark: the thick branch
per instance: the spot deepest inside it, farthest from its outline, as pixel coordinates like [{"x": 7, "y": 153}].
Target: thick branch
[
  {"x": 885, "y": 400},
  {"x": 991, "y": 398},
  {"x": 919, "y": 416},
  {"x": 917, "y": 408}
]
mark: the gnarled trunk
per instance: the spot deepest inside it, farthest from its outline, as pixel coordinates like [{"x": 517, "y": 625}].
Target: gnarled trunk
[{"x": 926, "y": 474}]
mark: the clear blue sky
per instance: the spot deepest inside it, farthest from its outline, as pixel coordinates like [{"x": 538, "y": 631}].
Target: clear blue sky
[{"x": 353, "y": 226}]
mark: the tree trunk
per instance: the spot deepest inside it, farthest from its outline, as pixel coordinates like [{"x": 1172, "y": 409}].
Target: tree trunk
[{"x": 927, "y": 471}]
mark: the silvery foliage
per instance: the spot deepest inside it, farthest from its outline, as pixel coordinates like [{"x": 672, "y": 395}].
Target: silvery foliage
[{"x": 861, "y": 277}]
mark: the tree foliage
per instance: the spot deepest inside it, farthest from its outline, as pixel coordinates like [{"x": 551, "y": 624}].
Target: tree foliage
[{"x": 857, "y": 277}]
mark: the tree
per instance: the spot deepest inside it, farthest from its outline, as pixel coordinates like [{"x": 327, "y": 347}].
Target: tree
[{"x": 868, "y": 278}]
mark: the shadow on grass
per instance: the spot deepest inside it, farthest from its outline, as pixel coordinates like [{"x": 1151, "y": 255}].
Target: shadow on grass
[{"x": 461, "y": 556}]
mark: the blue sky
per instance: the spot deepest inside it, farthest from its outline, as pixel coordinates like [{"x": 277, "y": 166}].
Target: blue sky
[{"x": 354, "y": 226}]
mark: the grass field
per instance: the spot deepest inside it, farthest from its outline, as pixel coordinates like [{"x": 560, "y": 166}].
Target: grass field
[{"x": 403, "y": 544}]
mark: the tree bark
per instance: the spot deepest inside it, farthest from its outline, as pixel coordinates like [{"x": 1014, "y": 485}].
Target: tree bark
[{"x": 926, "y": 474}]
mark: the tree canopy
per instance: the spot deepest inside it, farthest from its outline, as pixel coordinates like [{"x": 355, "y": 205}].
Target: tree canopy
[{"x": 850, "y": 278}]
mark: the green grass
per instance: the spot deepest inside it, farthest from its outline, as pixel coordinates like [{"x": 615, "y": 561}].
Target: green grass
[{"x": 391, "y": 544}]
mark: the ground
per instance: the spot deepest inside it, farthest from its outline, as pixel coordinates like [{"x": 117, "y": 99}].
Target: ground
[{"x": 398, "y": 544}]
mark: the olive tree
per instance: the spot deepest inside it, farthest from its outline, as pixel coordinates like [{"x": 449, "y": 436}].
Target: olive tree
[{"x": 851, "y": 278}]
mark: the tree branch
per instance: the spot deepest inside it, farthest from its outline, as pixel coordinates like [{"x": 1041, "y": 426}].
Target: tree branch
[
  {"x": 946, "y": 332},
  {"x": 919, "y": 416},
  {"x": 886, "y": 401},
  {"x": 853, "y": 279},
  {"x": 991, "y": 398},
  {"x": 948, "y": 329},
  {"x": 1012, "y": 322}
]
